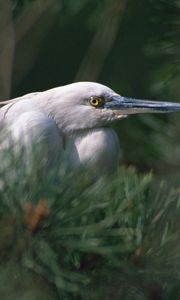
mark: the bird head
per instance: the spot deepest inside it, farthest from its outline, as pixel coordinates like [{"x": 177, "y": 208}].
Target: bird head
[{"x": 89, "y": 105}]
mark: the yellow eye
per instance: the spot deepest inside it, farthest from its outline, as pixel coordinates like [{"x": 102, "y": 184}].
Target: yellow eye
[{"x": 96, "y": 101}]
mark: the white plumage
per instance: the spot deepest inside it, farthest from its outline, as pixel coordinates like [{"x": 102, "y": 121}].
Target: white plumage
[{"x": 72, "y": 122}]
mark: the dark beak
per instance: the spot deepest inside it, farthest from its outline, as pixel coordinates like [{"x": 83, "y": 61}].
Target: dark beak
[{"x": 128, "y": 106}]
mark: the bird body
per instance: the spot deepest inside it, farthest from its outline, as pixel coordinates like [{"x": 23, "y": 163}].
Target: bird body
[
  {"x": 52, "y": 119},
  {"x": 73, "y": 121}
]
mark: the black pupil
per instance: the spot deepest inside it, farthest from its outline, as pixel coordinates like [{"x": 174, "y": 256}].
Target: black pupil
[{"x": 95, "y": 101}]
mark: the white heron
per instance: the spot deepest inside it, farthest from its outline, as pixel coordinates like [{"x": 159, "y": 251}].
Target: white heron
[{"x": 74, "y": 120}]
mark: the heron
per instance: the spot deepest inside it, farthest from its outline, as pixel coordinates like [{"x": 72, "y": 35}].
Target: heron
[{"x": 74, "y": 120}]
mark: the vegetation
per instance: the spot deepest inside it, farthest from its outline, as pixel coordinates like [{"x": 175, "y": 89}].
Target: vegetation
[{"x": 118, "y": 238}]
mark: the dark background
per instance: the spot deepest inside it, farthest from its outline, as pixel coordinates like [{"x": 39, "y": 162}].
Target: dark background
[{"x": 131, "y": 46}]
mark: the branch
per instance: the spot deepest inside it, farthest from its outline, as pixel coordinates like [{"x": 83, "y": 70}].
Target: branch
[
  {"x": 103, "y": 40},
  {"x": 7, "y": 43}
]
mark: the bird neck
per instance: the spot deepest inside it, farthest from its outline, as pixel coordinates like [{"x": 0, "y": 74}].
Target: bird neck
[{"x": 96, "y": 149}]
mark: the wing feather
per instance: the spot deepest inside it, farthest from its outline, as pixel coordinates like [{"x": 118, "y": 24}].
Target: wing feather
[{"x": 35, "y": 139}]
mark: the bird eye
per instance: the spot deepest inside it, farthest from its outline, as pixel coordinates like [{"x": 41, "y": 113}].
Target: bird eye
[{"x": 96, "y": 101}]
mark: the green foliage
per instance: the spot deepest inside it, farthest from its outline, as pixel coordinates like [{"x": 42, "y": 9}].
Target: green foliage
[
  {"x": 118, "y": 231},
  {"x": 18, "y": 5},
  {"x": 119, "y": 238}
]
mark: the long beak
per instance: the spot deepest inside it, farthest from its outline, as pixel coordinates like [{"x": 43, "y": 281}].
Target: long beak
[{"x": 127, "y": 106}]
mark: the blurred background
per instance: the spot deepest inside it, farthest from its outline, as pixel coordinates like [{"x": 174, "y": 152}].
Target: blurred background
[{"x": 131, "y": 46}]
